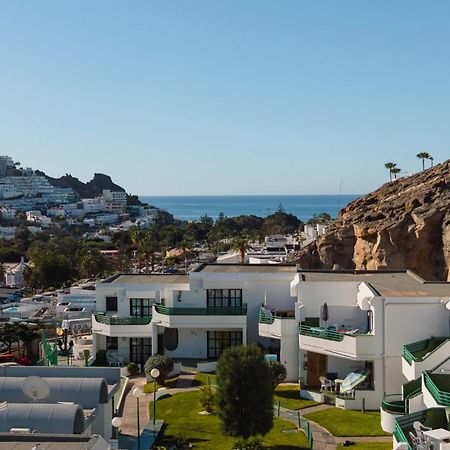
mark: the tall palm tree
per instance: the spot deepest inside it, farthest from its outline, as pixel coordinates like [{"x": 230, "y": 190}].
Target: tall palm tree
[
  {"x": 423, "y": 156},
  {"x": 431, "y": 161},
  {"x": 389, "y": 166},
  {"x": 395, "y": 171},
  {"x": 241, "y": 244}
]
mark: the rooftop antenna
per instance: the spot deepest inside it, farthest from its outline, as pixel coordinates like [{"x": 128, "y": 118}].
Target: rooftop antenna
[{"x": 35, "y": 388}]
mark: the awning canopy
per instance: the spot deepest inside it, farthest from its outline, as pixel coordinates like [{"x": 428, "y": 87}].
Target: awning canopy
[{"x": 353, "y": 379}]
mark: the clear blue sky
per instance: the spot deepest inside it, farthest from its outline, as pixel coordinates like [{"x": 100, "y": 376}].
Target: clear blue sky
[{"x": 231, "y": 97}]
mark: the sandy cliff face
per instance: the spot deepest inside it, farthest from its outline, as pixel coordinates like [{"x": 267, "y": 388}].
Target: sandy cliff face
[{"x": 405, "y": 224}]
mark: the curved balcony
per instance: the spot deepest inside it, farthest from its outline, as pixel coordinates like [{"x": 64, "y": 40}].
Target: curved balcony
[
  {"x": 114, "y": 326},
  {"x": 349, "y": 343},
  {"x": 213, "y": 317},
  {"x": 392, "y": 406}
]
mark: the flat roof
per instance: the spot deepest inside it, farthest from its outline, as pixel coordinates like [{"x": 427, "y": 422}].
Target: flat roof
[
  {"x": 388, "y": 283},
  {"x": 11, "y": 441},
  {"x": 247, "y": 268},
  {"x": 138, "y": 278}
]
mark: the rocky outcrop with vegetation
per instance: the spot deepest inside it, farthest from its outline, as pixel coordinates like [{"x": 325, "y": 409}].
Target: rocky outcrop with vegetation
[{"x": 405, "y": 224}]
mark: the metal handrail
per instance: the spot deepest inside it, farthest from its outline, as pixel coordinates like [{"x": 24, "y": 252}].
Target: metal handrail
[
  {"x": 211, "y": 311},
  {"x": 111, "y": 320},
  {"x": 269, "y": 318},
  {"x": 409, "y": 349},
  {"x": 321, "y": 333},
  {"x": 393, "y": 406}
]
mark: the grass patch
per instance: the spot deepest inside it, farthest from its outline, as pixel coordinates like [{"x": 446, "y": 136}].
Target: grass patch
[
  {"x": 289, "y": 397},
  {"x": 342, "y": 422},
  {"x": 373, "y": 445},
  {"x": 180, "y": 413},
  {"x": 202, "y": 378},
  {"x": 168, "y": 383}
]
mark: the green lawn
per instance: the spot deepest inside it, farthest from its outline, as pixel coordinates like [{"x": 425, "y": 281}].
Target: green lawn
[
  {"x": 202, "y": 378},
  {"x": 373, "y": 445},
  {"x": 168, "y": 383},
  {"x": 341, "y": 422},
  {"x": 180, "y": 414},
  {"x": 289, "y": 397}
]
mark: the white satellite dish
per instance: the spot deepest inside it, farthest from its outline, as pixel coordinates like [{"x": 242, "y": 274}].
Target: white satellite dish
[{"x": 35, "y": 388}]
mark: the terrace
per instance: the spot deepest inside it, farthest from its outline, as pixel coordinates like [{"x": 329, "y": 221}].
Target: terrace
[
  {"x": 424, "y": 355},
  {"x": 276, "y": 323},
  {"x": 114, "y": 326}
]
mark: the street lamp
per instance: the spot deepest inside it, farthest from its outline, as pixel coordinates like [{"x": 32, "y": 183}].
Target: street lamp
[
  {"x": 154, "y": 373},
  {"x": 137, "y": 394},
  {"x": 116, "y": 422}
]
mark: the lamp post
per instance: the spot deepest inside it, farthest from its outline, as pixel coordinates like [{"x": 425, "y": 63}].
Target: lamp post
[
  {"x": 137, "y": 394},
  {"x": 116, "y": 422},
  {"x": 154, "y": 373}
]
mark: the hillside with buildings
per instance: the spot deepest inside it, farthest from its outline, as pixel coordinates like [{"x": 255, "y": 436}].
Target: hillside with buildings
[{"x": 405, "y": 224}]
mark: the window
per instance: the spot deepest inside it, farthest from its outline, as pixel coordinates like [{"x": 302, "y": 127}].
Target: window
[
  {"x": 112, "y": 343},
  {"x": 218, "y": 341},
  {"x": 140, "y": 350},
  {"x": 141, "y": 307},
  {"x": 111, "y": 303},
  {"x": 223, "y": 297}
]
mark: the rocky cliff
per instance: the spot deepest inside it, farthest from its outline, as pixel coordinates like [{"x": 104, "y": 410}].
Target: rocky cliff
[{"x": 405, "y": 224}]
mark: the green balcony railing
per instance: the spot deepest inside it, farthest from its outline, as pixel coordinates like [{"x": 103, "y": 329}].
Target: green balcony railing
[
  {"x": 268, "y": 318},
  {"x": 111, "y": 320},
  {"x": 420, "y": 350},
  {"x": 439, "y": 387},
  {"x": 212, "y": 311},
  {"x": 319, "y": 332},
  {"x": 392, "y": 406}
]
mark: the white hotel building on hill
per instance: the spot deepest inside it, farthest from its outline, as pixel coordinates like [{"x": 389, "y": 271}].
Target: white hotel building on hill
[{"x": 370, "y": 316}]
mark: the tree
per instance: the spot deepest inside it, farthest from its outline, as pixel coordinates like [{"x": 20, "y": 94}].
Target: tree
[
  {"x": 242, "y": 245},
  {"x": 390, "y": 166},
  {"x": 278, "y": 371},
  {"x": 395, "y": 171},
  {"x": 161, "y": 362},
  {"x": 2, "y": 273},
  {"x": 431, "y": 161},
  {"x": 93, "y": 264},
  {"x": 244, "y": 392},
  {"x": 423, "y": 156}
]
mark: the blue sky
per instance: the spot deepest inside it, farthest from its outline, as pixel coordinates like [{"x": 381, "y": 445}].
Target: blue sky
[{"x": 231, "y": 97}]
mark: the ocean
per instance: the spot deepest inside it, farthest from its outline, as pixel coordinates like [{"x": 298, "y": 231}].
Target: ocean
[{"x": 302, "y": 206}]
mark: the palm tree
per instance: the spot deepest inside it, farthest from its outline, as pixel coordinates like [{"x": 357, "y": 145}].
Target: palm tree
[
  {"x": 390, "y": 166},
  {"x": 395, "y": 171},
  {"x": 2, "y": 273},
  {"x": 187, "y": 244},
  {"x": 423, "y": 156},
  {"x": 431, "y": 160},
  {"x": 241, "y": 244}
]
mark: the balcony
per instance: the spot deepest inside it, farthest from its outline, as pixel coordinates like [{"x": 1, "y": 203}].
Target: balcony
[
  {"x": 433, "y": 417},
  {"x": 424, "y": 355},
  {"x": 114, "y": 326},
  {"x": 276, "y": 324},
  {"x": 344, "y": 343},
  {"x": 436, "y": 391},
  {"x": 213, "y": 317}
]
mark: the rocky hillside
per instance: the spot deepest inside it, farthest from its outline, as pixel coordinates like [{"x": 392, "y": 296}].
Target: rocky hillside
[{"x": 405, "y": 224}]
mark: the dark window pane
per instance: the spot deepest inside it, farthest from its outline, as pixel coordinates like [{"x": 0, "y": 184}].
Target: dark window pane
[{"x": 111, "y": 303}]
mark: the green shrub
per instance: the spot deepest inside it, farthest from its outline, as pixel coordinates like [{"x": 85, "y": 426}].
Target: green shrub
[
  {"x": 278, "y": 371},
  {"x": 207, "y": 398},
  {"x": 251, "y": 444},
  {"x": 161, "y": 362},
  {"x": 133, "y": 369}
]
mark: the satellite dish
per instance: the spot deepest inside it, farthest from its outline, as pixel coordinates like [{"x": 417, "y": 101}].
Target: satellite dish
[{"x": 35, "y": 388}]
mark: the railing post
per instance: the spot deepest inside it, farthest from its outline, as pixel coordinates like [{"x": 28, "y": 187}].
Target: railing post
[
  {"x": 299, "y": 419},
  {"x": 278, "y": 415}
]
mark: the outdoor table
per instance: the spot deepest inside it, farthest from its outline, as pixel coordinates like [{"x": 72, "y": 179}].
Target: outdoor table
[
  {"x": 438, "y": 435},
  {"x": 337, "y": 384}
]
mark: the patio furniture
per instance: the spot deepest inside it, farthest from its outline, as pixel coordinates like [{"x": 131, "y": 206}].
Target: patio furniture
[
  {"x": 419, "y": 442},
  {"x": 337, "y": 384},
  {"x": 418, "y": 426},
  {"x": 439, "y": 437},
  {"x": 112, "y": 361},
  {"x": 325, "y": 383}
]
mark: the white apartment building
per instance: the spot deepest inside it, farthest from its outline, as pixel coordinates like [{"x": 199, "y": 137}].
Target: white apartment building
[
  {"x": 6, "y": 162},
  {"x": 319, "y": 323},
  {"x": 7, "y": 233},
  {"x": 114, "y": 201},
  {"x": 38, "y": 217},
  {"x": 93, "y": 205},
  {"x": 8, "y": 213},
  {"x": 186, "y": 316}
]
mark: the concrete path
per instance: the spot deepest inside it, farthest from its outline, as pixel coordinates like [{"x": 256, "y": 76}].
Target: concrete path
[
  {"x": 185, "y": 380},
  {"x": 129, "y": 416}
]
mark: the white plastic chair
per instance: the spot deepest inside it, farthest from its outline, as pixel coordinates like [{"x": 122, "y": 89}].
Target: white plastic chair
[{"x": 325, "y": 383}]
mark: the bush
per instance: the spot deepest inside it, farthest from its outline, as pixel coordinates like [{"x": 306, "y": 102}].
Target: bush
[
  {"x": 207, "y": 398},
  {"x": 251, "y": 444},
  {"x": 244, "y": 392},
  {"x": 160, "y": 362},
  {"x": 278, "y": 371},
  {"x": 133, "y": 369}
]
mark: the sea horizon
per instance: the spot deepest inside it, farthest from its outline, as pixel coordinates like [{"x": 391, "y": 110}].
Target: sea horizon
[{"x": 193, "y": 207}]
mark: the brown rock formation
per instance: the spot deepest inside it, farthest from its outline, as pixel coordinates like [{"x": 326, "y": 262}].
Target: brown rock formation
[{"x": 405, "y": 224}]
